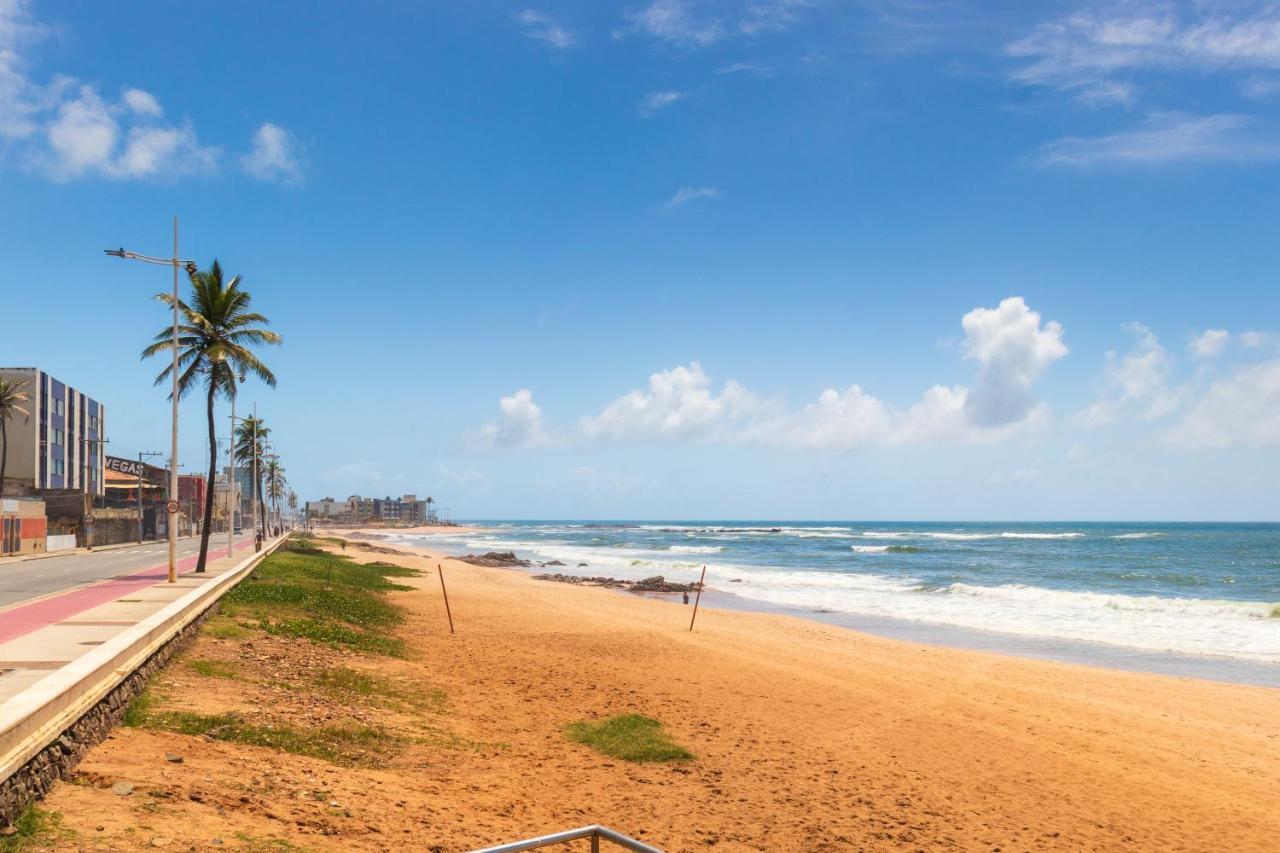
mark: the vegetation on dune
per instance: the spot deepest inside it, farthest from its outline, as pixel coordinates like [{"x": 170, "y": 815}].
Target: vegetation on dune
[
  {"x": 214, "y": 668},
  {"x": 631, "y": 737},
  {"x": 348, "y": 745},
  {"x": 325, "y": 598},
  {"x": 379, "y": 690},
  {"x": 36, "y": 829}
]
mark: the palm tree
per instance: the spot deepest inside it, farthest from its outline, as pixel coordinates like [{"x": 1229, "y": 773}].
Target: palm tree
[
  {"x": 277, "y": 486},
  {"x": 293, "y": 505},
  {"x": 251, "y": 443},
  {"x": 214, "y": 347},
  {"x": 11, "y": 399}
]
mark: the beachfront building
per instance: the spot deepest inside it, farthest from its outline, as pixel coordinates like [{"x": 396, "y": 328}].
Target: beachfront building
[
  {"x": 327, "y": 508},
  {"x": 404, "y": 508},
  {"x": 62, "y": 444}
]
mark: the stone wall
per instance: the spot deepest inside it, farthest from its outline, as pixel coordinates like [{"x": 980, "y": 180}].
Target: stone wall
[{"x": 56, "y": 761}]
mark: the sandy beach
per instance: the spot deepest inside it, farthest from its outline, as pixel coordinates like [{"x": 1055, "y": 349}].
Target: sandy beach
[{"x": 807, "y": 736}]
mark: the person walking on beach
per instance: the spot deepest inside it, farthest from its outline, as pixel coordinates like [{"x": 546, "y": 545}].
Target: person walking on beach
[{"x": 686, "y": 597}]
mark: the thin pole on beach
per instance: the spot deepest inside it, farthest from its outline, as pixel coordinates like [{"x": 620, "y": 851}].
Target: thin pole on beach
[
  {"x": 699, "y": 597},
  {"x": 448, "y": 612}
]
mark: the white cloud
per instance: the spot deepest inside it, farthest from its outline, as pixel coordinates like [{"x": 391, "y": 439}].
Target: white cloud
[
  {"x": 1209, "y": 343},
  {"x": 672, "y": 21},
  {"x": 655, "y": 101},
  {"x": 1083, "y": 48},
  {"x": 677, "y": 22},
  {"x": 1240, "y": 409},
  {"x": 520, "y": 424},
  {"x": 678, "y": 403},
  {"x": 1012, "y": 349},
  {"x": 142, "y": 103},
  {"x": 540, "y": 26},
  {"x": 1138, "y": 380},
  {"x": 1167, "y": 139},
  {"x": 684, "y": 195},
  {"x": 1254, "y": 339},
  {"x": 1010, "y": 344},
  {"x": 86, "y": 138},
  {"x": 276, "y": 155},
  {"x": 68, "y": 130}
]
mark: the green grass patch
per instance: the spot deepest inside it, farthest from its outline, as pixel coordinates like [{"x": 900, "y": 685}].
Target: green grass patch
[
  {"x": 321, "y": 597},
  {"x": 215, "y": 669},
  {"x": 631, "y": 737},
  {"x": 258, "y": 844},
  {"x": 348, "y": 745},
  {"x": 226, "y": 628},
  {"x": 36, "y": 829},
  {"x": 139, "y": 709},
  {"x": 387, "y": 692}
]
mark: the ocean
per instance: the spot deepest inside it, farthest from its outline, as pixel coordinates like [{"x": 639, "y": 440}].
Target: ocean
[{"x": 1207, "y": 591}]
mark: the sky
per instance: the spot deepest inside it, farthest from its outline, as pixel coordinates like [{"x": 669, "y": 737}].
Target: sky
[{"x": 671, "y": 259}]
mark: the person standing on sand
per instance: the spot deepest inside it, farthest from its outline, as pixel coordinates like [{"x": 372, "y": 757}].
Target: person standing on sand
[{"x": 686, "y": 597}]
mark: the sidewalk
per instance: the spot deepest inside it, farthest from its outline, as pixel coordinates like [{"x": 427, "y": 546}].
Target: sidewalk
[{"x": 39, "y": 637}]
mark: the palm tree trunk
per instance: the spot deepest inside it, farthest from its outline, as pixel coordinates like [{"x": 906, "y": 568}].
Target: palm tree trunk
[
  {"x": 208, "y": 492},
  {"x": 4, "y": 452}
]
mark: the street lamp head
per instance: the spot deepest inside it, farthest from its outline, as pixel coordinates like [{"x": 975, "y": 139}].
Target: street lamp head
[
  {"x": 115, "y": 253},
  {"x": 191, "y": 268}
]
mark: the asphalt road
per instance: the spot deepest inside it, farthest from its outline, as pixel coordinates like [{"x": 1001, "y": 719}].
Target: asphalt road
[{"x": 27, "y": 579}]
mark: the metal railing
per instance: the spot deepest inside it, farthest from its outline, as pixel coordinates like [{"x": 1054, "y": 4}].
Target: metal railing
[{"x": 595, "y": 832}]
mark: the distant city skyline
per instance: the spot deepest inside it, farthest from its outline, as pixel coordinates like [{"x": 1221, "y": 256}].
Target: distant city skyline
[{"x": 679, "y": 260}]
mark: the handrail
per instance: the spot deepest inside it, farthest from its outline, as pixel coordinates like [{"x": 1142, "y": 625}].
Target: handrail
[{"x": 595, "y": 832}]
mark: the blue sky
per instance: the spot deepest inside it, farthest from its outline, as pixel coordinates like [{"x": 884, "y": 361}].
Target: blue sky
[{"x": 678, "y": 259}]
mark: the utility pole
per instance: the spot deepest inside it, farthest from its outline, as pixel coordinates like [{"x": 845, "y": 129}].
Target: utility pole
[
  {"x": 172, "y": 505},
  {"x": 149, "y": 455},
  {"x": 253, "y": 487}
]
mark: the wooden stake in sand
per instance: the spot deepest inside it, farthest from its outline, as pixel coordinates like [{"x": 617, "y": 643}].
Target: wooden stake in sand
[
  {"x": 698, "y": 599},
  {"x": 448, "y": 612}
]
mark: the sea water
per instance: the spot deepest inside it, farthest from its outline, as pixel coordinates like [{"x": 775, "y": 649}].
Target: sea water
[{"x": 1205, "y": 590}]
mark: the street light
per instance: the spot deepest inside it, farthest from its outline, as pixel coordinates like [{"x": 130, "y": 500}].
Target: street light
[{"x": 190, "y": 267}]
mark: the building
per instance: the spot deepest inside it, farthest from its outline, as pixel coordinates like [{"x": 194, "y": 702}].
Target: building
[
  {"x": 61, "y": 445},
  {"x": 404, "y": 508},
  {"x": 327, "y": 508},
  {"x": 23, "y": 527}
]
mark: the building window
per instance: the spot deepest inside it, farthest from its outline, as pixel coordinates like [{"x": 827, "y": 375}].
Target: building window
[
  {"x": 59, "y": 407},
  {"x": 57, "y": 437},
  {"x": 58, "y": 469}
]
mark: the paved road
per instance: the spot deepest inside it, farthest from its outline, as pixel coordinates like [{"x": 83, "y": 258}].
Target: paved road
[{"x": 27, "y": 579}]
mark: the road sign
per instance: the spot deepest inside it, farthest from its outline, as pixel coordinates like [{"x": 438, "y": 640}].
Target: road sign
[{"x": 172, "y": 507}]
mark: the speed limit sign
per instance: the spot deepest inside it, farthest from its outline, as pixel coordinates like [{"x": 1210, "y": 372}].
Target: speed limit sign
[{"x": 172, "y": 506}]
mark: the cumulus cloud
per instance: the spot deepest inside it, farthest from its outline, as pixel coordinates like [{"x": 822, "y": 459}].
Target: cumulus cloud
[
  {"x": 1010, "y": 344},
  {"x": 89, "y": 136},
  {"x": 1209, "y": 343},
  {"x": 540, "y": 26},
  {"x": 1137, "y": 381},
  {"x": 1242, "y": 408},
  {"x": 653, "y": 102},
  {"x": 1012, "y": 348},
  {"x": 275, "y": 155},
  {"x": 684, "y": 195},
  {"x": 520, "y": 424},
  {"x": 677, "y": 403},
  {"x": 69, "y": 130}
]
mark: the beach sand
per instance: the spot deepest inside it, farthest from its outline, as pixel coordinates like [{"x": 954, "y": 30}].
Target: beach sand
[{"x": 808, "y": 737}]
